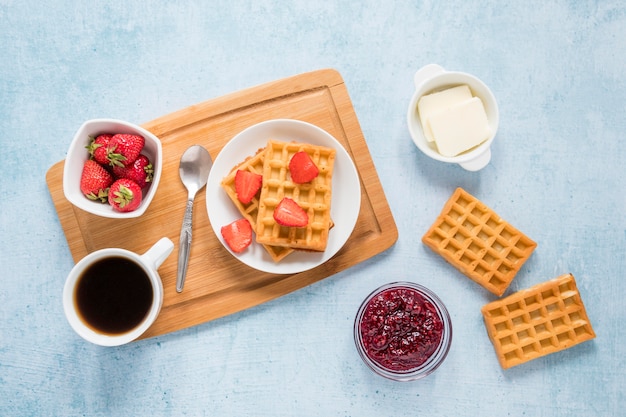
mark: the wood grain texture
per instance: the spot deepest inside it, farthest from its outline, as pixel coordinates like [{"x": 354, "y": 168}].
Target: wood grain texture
[{"x": 217, "y": 284}]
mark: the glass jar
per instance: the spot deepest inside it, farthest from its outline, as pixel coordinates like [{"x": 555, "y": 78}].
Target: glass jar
[{"x": 403, "y": 331}]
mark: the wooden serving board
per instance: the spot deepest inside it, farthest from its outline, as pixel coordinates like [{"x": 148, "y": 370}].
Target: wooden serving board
[{"x": 217, "y": 284}]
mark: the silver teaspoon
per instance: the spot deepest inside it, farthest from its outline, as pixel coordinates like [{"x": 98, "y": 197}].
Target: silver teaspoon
[{"x": 195, "y": 165}]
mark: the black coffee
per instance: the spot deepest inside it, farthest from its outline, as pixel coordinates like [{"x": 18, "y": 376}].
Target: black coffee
[{"x": 113, "y": 295}]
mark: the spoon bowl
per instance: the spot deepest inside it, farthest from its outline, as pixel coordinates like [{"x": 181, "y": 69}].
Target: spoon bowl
[{"x": 195, "y": 165}]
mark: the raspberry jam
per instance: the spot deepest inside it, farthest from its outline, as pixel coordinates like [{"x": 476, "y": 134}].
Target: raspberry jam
[{"x": 403, "y": 331}]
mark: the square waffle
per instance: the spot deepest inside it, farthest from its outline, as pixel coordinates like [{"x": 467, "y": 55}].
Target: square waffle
[
  {"x": 535, "y": 322},
  {"x": 478, "y": 242},
  {"x": 314, "y": 197},
  {"x": 250, "y": 210}
]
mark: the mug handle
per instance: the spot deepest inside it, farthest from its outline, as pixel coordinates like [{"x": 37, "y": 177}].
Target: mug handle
[
  {"x": 477, "y": 163},
  {"x": 425, "y": 73},
  {"x": 157, "y": 254}
]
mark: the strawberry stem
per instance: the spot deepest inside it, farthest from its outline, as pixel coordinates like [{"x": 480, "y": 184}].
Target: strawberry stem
[{"x": 123, "y": 196}]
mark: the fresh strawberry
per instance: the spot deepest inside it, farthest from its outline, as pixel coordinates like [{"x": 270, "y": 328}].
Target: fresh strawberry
[
  {"x": 125, "y": 195},
  {"x": 98, "y": 148},
  {"x": 124, "y": 149},
  {"x": 247, "y": 184},
  {"x": 289, "y": 213},
  {"x": 302, "y": 168},
  {"x": 238, "y": 235},
  {"x": 95, "y": 181},
  {"x": 140, "y": 171}
]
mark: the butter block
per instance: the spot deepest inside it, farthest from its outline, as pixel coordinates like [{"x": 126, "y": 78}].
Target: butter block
[
  {"x": 461, "y": 127},
  {"x": 434, "y": 103}
]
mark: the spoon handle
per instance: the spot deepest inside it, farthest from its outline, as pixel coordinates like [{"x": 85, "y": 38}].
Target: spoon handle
[{"x": 183, "y": 247}]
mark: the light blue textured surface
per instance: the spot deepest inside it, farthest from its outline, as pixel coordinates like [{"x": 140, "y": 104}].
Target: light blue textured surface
[{"x": 557, "y": 69}]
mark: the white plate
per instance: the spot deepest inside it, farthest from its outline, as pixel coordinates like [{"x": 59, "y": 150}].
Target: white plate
[{"x": 346, "y": 195}]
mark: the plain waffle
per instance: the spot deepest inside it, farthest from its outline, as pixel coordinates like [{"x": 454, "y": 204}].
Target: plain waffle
[
  {"x": 478, "y": 242},
  {"x": 314, "y": 197},
  {"x": 250, "y": 211},
  {"x": 535, "y": 322}
]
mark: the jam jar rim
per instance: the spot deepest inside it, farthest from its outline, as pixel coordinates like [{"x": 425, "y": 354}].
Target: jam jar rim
[{"x": 434, "y": 360}]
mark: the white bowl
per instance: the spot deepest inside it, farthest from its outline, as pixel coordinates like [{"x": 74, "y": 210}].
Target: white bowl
[
  {"x": 77, "y": 155},
  {"x": 432, "y": 78}
]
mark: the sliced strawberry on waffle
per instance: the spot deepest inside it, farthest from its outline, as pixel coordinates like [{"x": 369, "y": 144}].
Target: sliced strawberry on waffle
[
  {"x": 247, "y": 185},
  {"x": 288, "y": 213},
  {"x": 302, "y": 168}
]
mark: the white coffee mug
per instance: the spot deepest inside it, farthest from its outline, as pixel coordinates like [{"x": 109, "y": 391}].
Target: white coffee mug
[
  {"x": 87, "y": 279},
  {"x": 432, "y": 78}
]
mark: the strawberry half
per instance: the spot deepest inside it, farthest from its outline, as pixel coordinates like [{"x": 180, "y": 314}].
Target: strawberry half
[
  {"x": 238, "y": 235},
  {"x": 289, "y": 213},
  {"x": 302, "y": 168},
  {"x": 95, "y": 181},
  {"x": 124, "y": 149},
  {"x": 247, "y": 184},
  {"x": 98, "y": 148},
  {"x": 140, "y": 171},
  {"x": 125, "y": 195}
]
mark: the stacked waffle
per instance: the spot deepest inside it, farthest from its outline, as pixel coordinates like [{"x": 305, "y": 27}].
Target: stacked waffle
[{"x": 314, "y": 197}]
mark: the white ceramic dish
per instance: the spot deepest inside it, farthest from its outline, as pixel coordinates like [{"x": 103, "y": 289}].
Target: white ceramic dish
[
  {"x": 432, "y": 78},
  {"x": 77, "y": 155},
  {"x": 346, "y": 196}
]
